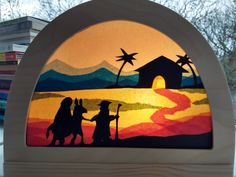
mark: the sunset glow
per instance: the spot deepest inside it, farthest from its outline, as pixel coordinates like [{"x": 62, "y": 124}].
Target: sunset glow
[{"x": 119, "y": 84}]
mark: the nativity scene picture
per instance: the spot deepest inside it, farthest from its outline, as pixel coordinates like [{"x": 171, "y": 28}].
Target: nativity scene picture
[{"x": 120, "y": 84}]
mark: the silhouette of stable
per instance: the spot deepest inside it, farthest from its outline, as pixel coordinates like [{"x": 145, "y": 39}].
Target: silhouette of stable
[{"x": 161, "y": 66}]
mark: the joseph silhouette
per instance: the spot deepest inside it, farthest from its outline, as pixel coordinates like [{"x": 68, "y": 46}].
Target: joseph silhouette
[{"x": 102, "y": 132}]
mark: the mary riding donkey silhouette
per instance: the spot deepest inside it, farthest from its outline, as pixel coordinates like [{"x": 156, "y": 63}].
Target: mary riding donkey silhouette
[{"x": 65, "y": 124}]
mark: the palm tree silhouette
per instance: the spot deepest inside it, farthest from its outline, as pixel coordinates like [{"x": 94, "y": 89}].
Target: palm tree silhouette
[
  {"x": 185, "y": 60},
  {"x": 126, "y": 58}
]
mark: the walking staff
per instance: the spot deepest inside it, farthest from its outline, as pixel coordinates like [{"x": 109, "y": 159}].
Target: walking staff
[{"x": 117, "y": 118}]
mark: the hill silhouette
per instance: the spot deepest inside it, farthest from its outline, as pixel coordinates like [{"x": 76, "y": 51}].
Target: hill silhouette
[
  {"x": 59, "y": 76},
  {"x": 67, "y": 69},
  {"x": 101, "y": 78},
  {"x": 203, "y": 141},
  {"x": 188, "y": 82}
]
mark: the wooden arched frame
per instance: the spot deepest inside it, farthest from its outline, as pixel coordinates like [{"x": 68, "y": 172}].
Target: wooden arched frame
[{"x": 21, "y": 160}]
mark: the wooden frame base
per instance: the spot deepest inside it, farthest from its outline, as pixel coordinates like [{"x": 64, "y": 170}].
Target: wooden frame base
[{"x": 18, "y": 169}]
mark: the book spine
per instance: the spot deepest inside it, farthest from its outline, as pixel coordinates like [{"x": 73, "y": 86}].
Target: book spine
[
  {"x": 2, "y": 112},
  {"x": 19, "y": 27},
  {"x": 10, "y": 56},
  {"x": 6, "y": 77},
  {"x": 3, "y": 104},
  {"x": 19, "y": 55},
  {"x": 13, "y": 55},
  {"x": 5, "y": 84},
  {"x": 3, "y": 97},
  {"x": 2, "y": 56},
  {"x": 9, "y": 72},
  {"x": 13, "y": 47},
  {"x": 8, "y": 67},
  {"x": 8, "y": 62}
]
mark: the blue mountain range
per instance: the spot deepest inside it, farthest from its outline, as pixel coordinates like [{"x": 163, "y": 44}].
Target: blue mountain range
[
  {"x": 189, "y": 81},
  {"x": 101, "y": 78}
]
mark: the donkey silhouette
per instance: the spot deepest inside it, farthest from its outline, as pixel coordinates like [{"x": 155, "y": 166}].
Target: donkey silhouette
[
  {"x": 76, "y": 127},
  {"x": 65, "y": 124}
]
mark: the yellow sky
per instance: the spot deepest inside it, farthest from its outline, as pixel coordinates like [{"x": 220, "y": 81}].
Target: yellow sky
[{"x": 103, "y": 42}]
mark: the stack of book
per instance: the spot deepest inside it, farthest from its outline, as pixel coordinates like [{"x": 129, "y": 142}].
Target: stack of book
[
  {"x": 10, "y": 57},
  {"x": 12, "y": 33}
]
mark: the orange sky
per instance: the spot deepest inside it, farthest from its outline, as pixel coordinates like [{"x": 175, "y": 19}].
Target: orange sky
[{"x": 103, "y": 42}]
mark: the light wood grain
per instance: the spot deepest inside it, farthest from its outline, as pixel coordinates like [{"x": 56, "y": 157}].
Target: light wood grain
[{"x": 115, "y": 170}]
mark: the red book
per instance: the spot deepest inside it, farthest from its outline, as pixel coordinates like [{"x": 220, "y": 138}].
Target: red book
[{"x": 13, "y": 55}]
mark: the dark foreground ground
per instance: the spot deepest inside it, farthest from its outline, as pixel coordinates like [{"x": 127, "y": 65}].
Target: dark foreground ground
[{"x": 204, "y": 141}]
